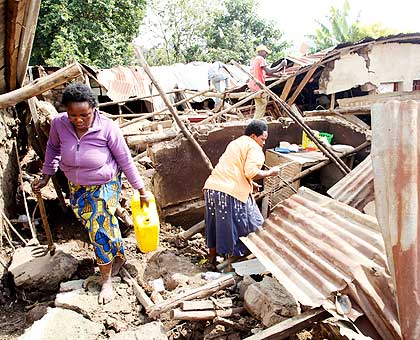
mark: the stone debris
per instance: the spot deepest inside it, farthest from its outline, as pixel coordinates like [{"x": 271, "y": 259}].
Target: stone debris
[
  {"x": 71, "y": 285},
  {"x": 150, "y": 331},
  {"x": 85, "y": 302},
  {"x": 63, "y": 324},
  {"x": 37, "y": 312},
  {"x": 270, "y": 302},
  {"x": 39, "y": 275}
]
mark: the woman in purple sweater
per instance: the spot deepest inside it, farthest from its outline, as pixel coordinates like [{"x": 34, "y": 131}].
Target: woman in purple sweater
[{"x": 91, "y": 151}]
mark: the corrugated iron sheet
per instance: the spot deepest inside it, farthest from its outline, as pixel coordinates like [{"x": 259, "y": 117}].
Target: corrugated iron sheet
[
  {"x": 356, "y": 188},
  {"x": 316, "y": 246},
  {"x": 396, "y": 159}
]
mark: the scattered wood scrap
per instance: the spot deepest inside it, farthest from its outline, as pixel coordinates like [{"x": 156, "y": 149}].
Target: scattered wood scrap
[
  {"x": 291, "y": 326},
  {"x": 190, "y": 294}
]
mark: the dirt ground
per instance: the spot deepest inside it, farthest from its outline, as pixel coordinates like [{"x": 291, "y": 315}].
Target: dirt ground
[{"x": 17, "y": 314}]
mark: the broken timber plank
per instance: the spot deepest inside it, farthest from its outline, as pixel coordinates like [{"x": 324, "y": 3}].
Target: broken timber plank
[
  {"x": 324, "y": 148},
  {"x": 42, "y": 141},
  {"x": 138, "y": 291},
  {"x": 197, "y": 315},
  {"x": 206, "y": 304},
  {"x": 27, "y": 38},
  {"x": 251, "y": 96},
  {"x": 187, "y": 234},
  {"x": 178, "y": 121},
  {"x": 40, "y": 85},
  {"x": 358, "y": 110},
  {"x": 195, "y": 293},
  {"x": 302, "y": 84},
  {"x": 287, "y": 87},
  {"x": 136, "y": 98},
  {"x": 291, "y": 326},
  {"x": 143, "y": 116},
  {"x": 15, "y": 16},
  {"x": 141, "y": 141}
]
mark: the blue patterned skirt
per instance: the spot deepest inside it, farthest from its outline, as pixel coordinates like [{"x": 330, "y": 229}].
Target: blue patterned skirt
[
  {"x": 95, "y": 207},
  {"x": 227, "y": 219}
]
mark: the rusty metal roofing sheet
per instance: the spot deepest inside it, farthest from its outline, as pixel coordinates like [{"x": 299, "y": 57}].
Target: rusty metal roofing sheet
[
  {"x": 356, "y": 188},
  {"x": 396, "y": 159},
  {"x": 123, "y": 82},
  {"x": 316, "y": 246}
]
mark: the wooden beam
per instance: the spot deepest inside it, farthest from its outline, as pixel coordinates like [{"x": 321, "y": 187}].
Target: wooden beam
[
  {"x": 138, "y": 291},
  {"x": 287, "y": 87},
  {"x": 26, "y": 42},
  {"x": 40, "y": 85},
  {"x": 200, "y": 315},
  {"x": 143, "y": 116},
  {"x": 302, "y": 84},
  {"x": 190, "y": 294},
  {"x": 207, "y": 304},
  {"x": 15, "y": 16},
  {"x": 324, "y": 148},
  {"x": 175, "y": 116},
  {"x": 136, "y": 98},
  {"x": 359, "y": 110},
  {"x": 291, "y": 326}
]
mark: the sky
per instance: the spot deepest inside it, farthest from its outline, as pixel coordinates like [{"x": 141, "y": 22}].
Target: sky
[{"x": 297, "y": 18}]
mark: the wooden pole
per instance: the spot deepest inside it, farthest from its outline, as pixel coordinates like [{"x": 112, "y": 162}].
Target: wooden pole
[
  {"x": 25, "y": 203},
  {"x": 138, "y": 291},
  {"x": 324, "y": 148},
  {"x": 178, "y": 121},
  {"x": 141, "y": 141},
  {"x": 187, "y": 234},
  {"x": 198, "y": 315},
  {"x": 42, "y": 140},
  {"x": 195, "y": 293},
  {"x": 136, "y": 98},
  {"x": 287, "y": 87},
  {"x": 291, "y": 326},
  {"x": 302, "y": 84},
  {"x": 40, "y": 85},
  {"x": 151, "y": 114},
  {"x": 13, "y": 229},
  {"x": 246, "y": 99},
  {"x": 206, "y": 304}
]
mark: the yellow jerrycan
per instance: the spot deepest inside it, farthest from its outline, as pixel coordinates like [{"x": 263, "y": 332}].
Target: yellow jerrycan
[{"x": 146, "y": 223}]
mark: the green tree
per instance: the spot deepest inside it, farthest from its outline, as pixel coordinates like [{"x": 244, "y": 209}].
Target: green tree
[
  {"x": 375, "y": 30},
  {"x": 98, "y": 33},
  {"x": 337, "y": 29},
  {"x": 185, "y": 31},
  {"x": 236, "y": 30}
]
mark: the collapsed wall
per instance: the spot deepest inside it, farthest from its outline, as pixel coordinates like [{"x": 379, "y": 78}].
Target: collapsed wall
[
  {"x": 8, "y": 165},
  {"x": 181, "y": 173}
]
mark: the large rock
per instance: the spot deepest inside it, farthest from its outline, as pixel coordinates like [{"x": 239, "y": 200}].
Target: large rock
[
  {"x": 270, "y": 302},
  {"x": 64, "y": 325},
  {"x": 176, "y": 270},
  {"x": 86, "y": 303},
  {"x": 150, "y": 331},
  {"x": 119, "y": 314},
  {"x": 37, "y": 276}
]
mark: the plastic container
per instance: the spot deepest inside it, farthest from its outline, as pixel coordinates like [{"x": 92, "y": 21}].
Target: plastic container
[
  {"x": 309, "y": 145},
  {"x": 146, "y": 223}
]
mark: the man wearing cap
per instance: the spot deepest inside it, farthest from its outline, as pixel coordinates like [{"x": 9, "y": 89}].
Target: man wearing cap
[{"x": 259, "y": 70}]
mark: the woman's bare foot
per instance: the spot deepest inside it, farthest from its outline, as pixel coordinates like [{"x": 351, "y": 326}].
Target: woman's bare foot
[
  {"x": 116, "y": 265},
  {"x": 106, "y": 293}
]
